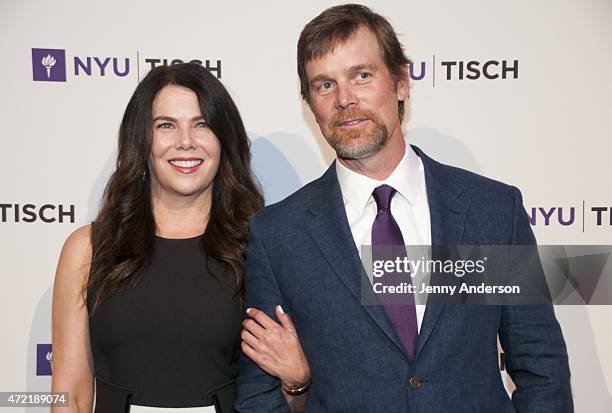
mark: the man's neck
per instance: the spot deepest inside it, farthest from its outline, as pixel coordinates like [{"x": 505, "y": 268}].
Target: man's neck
[{"x": 380, "y": 165}]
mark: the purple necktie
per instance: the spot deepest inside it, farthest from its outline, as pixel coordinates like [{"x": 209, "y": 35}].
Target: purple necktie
[{"x": 388, "y": 244}]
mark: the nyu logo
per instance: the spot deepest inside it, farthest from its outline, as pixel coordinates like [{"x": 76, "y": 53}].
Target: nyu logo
[
  {"x": 450, "y": 70},
  {"x": 553, "y": 215},
  {"x": 44, "y": 359},
  {"x": 49, "y": 65},
  {"x": 46, "y": 213},
  {"x": 212, "y": 68},
  {"x": 474, "y": 69},
  {"x": 417, "y": 70},
  {"x": 600, "y": 216},
  {"x": 101, "y": 66},
  {"x": 601, "y": 212}
]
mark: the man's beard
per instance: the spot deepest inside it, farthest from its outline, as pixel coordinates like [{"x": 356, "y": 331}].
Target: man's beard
[{"x": 359, "y": 142}]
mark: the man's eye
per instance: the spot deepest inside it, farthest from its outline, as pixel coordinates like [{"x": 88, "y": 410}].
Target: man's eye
[
  {"x": 326, "y": 86},
  {"x": 364, "y": 75}
]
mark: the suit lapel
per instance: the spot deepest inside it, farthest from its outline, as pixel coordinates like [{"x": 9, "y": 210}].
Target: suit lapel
[
  {"x": 448, "y": 212},
  {"x": 328, "y": 226}
]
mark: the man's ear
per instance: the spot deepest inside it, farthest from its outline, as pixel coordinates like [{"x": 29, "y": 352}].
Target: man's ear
[{"x": 403, "y": 85}]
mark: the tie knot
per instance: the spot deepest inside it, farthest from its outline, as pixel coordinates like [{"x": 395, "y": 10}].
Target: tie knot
[{"x": 382, "y": 196}]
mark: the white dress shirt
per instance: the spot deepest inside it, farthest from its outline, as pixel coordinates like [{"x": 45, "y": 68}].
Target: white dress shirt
[{"x": 409, "y": 205}]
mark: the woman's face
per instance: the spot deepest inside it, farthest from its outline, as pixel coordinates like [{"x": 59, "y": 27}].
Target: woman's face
[{"x": 185, "y": 153}]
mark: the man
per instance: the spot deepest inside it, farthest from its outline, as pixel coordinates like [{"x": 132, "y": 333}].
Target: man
[{"x": 304, "y": 254}]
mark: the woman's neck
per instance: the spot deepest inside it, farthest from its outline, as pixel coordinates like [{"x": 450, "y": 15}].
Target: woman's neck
[{"x": 182, "y": 216}]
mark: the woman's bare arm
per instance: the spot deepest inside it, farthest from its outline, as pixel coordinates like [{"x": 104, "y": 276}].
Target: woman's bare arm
[{"x": 72, "y": 360}]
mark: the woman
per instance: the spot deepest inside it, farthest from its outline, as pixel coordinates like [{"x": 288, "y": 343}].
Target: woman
[{"x": 147, "y": 300}]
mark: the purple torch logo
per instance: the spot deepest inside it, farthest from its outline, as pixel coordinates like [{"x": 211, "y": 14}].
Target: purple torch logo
[
  {"x": 49, "y": 65},
  {"x": 48, "y": 62},
  {"x": 44, "y": 359}
]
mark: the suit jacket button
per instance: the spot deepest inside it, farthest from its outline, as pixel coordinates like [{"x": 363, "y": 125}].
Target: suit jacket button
[{"x": 415, "y": 382}]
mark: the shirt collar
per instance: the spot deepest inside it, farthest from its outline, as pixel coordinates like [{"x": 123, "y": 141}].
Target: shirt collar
[{"x": 406, "y": 179}]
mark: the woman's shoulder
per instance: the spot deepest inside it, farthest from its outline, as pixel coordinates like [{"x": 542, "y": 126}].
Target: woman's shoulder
[
  {"x": 79, "y": 240},
  {"x": 75, "y": 258}
]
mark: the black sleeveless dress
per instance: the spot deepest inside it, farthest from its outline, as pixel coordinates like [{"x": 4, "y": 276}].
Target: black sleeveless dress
[{"x": 172, "y": 340}]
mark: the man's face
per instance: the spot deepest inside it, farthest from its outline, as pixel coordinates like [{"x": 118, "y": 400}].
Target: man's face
[{"x": 354, "y": 97}]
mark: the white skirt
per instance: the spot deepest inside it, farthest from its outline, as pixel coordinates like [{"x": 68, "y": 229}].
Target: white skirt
[{"x": 146, "y": 409}]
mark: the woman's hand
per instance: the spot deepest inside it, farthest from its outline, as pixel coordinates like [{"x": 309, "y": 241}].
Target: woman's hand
[{"x": 275, "y": 347}]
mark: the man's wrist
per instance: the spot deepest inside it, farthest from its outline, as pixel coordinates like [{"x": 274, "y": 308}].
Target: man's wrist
[{"x": 296, "y": 389}]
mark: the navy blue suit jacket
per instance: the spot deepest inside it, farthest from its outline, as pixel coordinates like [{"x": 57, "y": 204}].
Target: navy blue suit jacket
[{"x": 302, "y": 255}]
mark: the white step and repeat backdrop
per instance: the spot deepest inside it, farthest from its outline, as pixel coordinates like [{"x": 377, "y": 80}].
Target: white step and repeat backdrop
[{"x": 518, "y": 91}]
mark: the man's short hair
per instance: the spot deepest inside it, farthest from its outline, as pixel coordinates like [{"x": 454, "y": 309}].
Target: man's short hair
[{"x": 334, "y": 26}]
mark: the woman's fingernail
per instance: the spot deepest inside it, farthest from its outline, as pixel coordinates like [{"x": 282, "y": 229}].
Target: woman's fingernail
[
  {"x": 248, "y": 310},
  {"x": 280, "y": 307}
]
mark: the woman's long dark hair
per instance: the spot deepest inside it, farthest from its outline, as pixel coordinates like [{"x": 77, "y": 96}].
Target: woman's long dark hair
[{"x": 123, "y": 236}]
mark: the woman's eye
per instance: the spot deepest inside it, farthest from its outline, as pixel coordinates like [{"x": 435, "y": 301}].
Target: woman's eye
[
  {"x": 202, "y": 124},
  {"x": 165, "y": 125}
]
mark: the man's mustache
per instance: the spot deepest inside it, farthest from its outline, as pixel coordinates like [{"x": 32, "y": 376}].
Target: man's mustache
[{"x": 353, "y": 115}]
